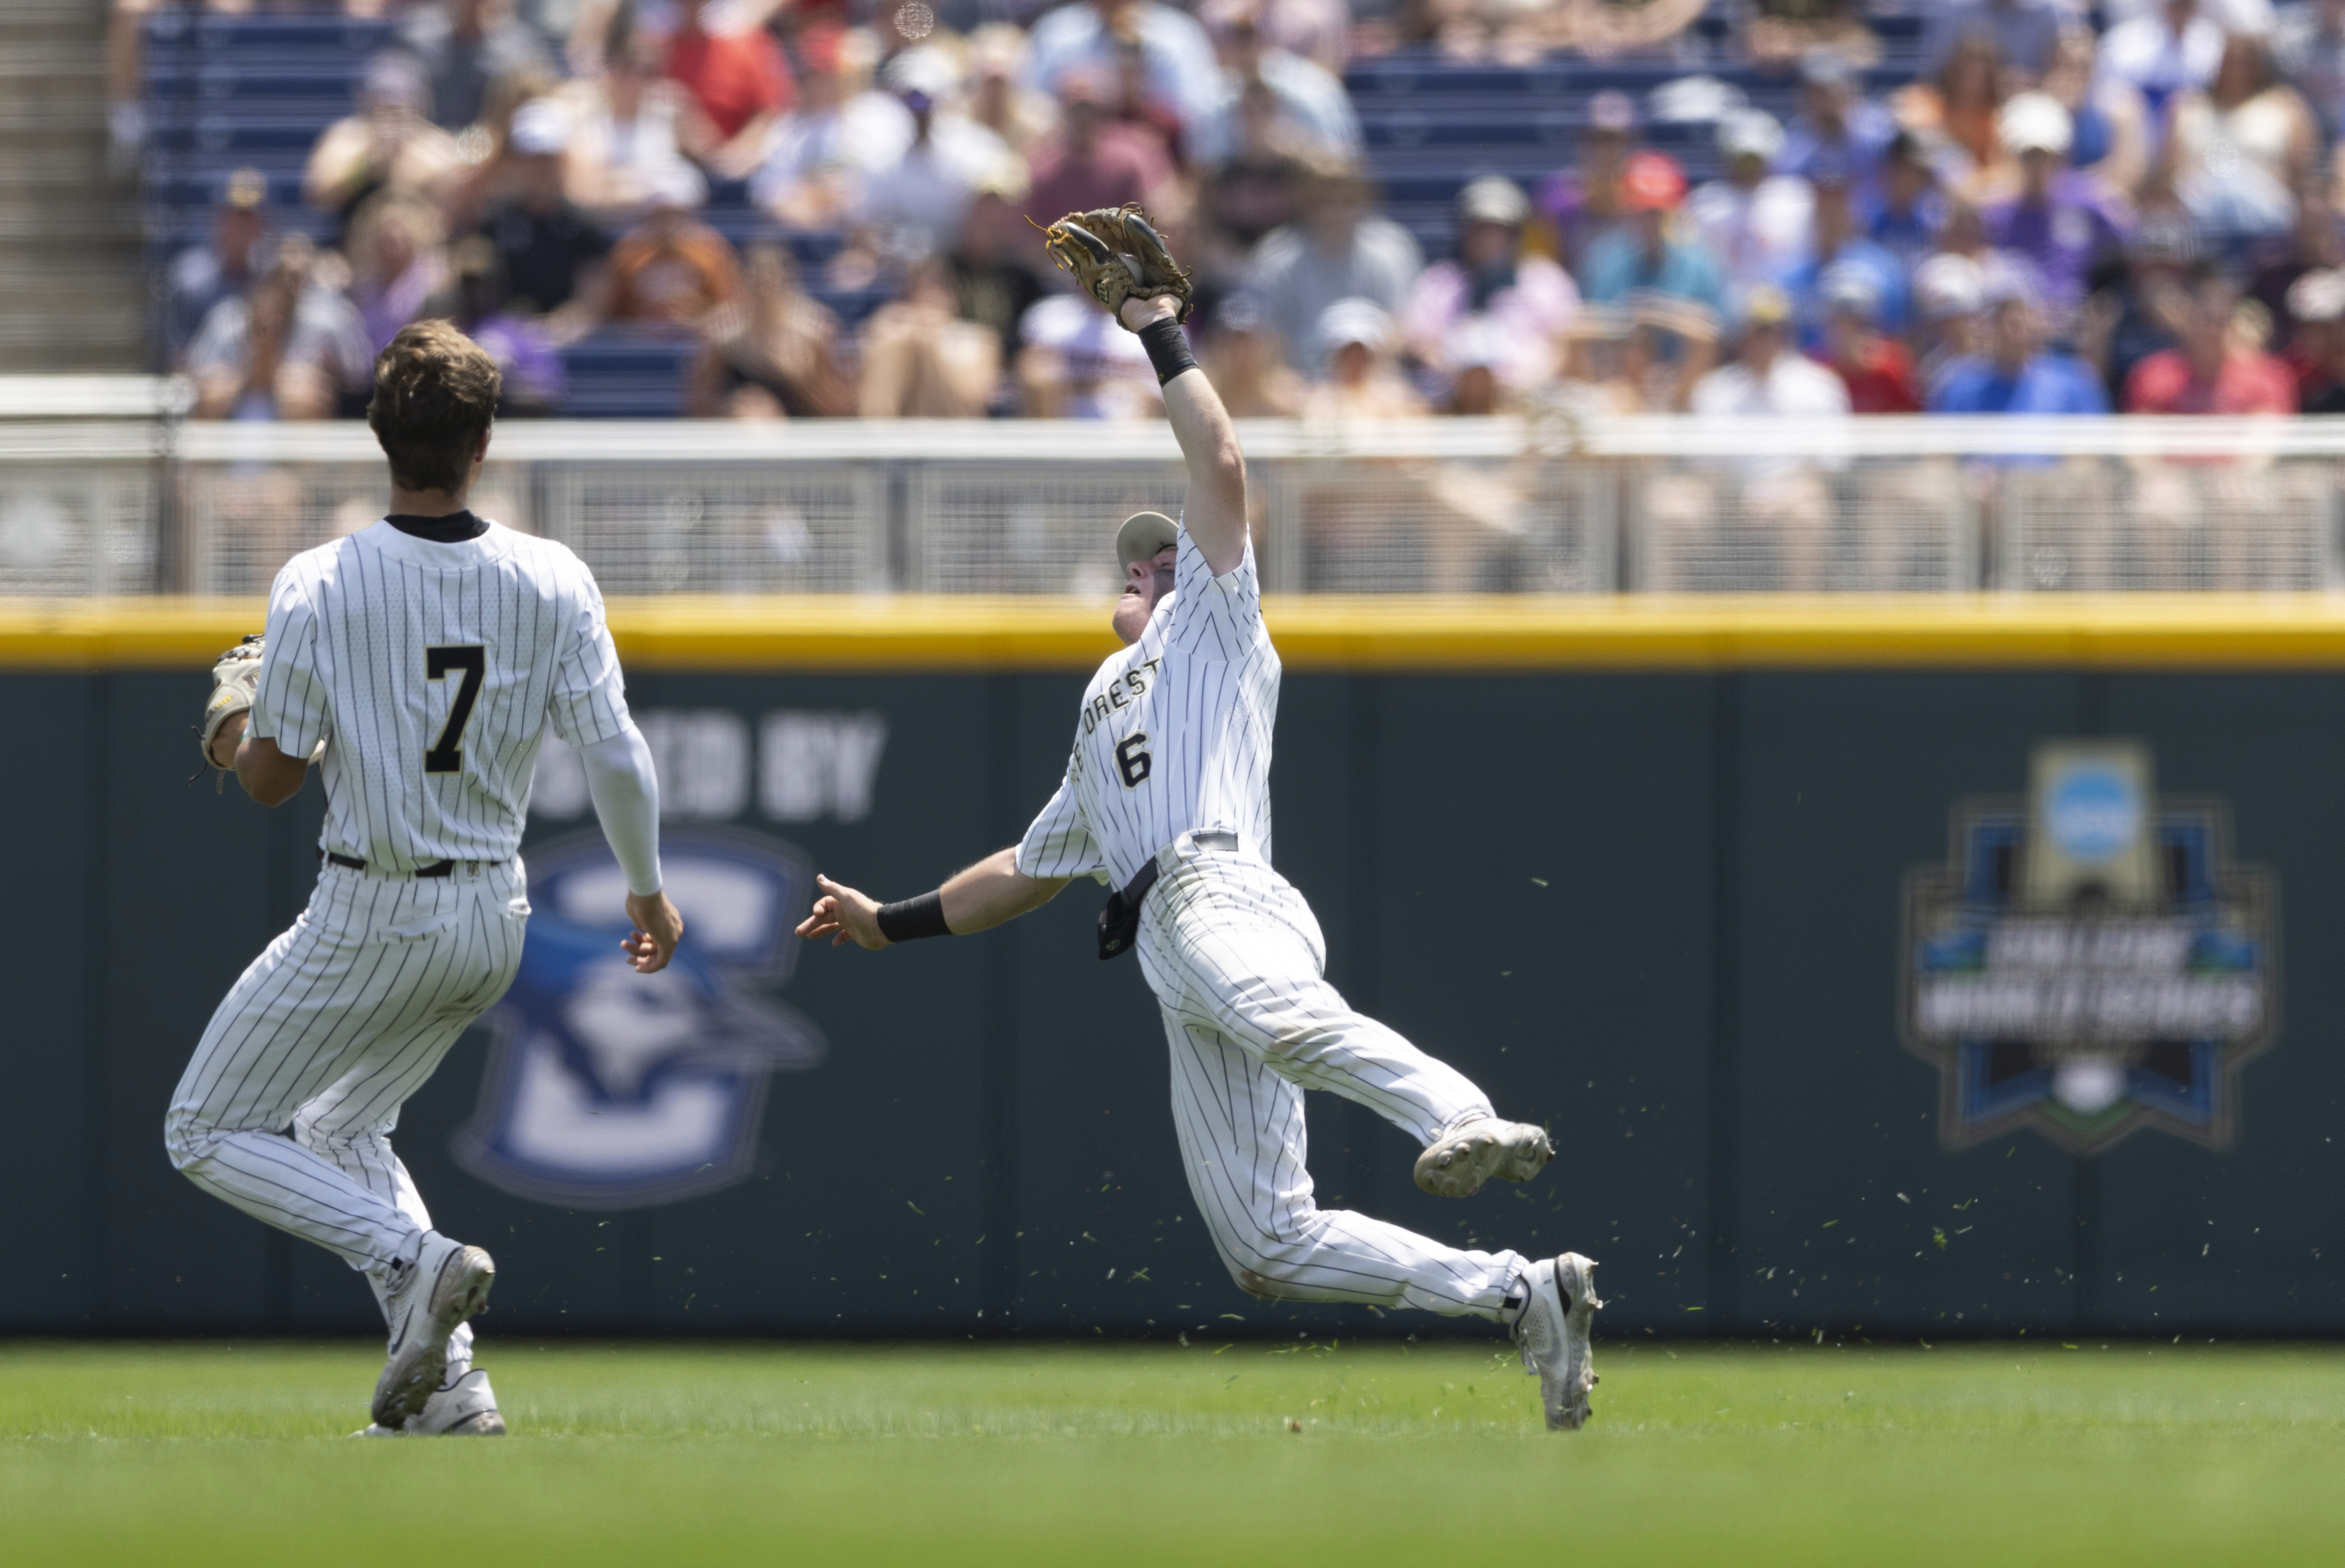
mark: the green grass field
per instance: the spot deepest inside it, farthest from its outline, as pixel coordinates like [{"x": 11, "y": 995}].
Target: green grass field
[{"x": 194, "y": 1455}]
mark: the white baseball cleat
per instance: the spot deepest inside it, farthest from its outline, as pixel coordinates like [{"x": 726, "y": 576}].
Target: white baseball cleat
[
  {"x": 1459, "y": 1161},
  {"x": 447, "y": 1283},
  {"x": 465, "y": 1408},
  {"x": 1553, "y": 1333}
]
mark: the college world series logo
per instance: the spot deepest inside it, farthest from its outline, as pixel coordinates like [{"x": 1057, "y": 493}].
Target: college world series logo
[
  {"x": 610, "y": 1089},
  {"x": 2089, "y": 961}
]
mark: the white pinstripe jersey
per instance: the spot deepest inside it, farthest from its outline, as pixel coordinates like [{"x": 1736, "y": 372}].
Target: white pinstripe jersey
[
  {"x": 1174, "y": 736},
  {"x": 434, "y": 668}
]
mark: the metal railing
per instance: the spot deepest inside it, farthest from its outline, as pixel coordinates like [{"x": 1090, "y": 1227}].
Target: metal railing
[{"x": 139, "y": 504}]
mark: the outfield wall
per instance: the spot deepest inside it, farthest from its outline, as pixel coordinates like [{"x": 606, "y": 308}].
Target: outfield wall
[{"x": 1640, "y": 872}]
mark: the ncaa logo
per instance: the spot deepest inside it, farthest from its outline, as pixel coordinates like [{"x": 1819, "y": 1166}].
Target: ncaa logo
[{"x": 610, "y": 1089}]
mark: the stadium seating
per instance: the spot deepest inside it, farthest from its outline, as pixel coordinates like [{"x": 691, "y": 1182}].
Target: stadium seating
[{"x": 228, "y": 93}]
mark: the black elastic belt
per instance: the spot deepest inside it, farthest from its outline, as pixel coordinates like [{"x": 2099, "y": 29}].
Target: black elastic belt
[
  {"x": 1119, "y": 921},
  {"x": 437, "y": 868}
]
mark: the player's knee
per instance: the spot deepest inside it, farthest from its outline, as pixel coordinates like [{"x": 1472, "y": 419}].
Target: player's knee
[
  {"x": 1269, "y": 1272},
  {"x": 188, "y": 1138},
  {"x": 1304, "y": 1041},
  {"x": 1261, "y": 1286}
]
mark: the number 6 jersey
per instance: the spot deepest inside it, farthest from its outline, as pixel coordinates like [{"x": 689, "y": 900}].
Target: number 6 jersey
[
  {"x": 434, "y": 667},
  {"x": 1173, "y": 735}
]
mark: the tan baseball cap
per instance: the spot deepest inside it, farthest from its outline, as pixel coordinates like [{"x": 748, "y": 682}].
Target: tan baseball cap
[{"x": 1143, "y": 535}]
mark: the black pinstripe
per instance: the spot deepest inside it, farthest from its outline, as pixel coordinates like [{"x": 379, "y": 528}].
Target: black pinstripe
[
  {"x": 1235, "y": 957},
  {"x": 287, "y": 1108},
  {"x": 347, "y": 626},
  {"x": 329, "y": 1031}
]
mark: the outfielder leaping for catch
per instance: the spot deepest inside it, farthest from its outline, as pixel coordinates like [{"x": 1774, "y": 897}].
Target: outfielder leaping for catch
[{"x": 1166, "y": 798}]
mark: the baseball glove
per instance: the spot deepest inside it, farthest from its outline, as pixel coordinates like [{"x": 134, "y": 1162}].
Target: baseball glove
[
  {"x": 1116, "y": 254},
  {"x": 235, "y": 679}
]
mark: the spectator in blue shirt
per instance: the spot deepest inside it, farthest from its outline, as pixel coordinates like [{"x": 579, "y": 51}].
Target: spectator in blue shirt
[
  {"x": 1911, "y": 209},
  {"x": 2015, "y": 376},
  {"x": 1837, "y": 128},
  {"x": 201, "y": 276},
  {"x": 1671, "y": 287},
  {"x": 1835, "y": 245}
]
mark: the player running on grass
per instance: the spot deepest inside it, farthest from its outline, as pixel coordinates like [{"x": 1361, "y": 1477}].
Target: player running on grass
[
  {"x": 433, "y": 650},
  {"x": 1167, "y": 799}
]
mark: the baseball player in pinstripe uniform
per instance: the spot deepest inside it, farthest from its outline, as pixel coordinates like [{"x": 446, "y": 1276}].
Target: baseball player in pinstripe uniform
[
  {"x": 1166, "y": 799},
  {"x": 421, "y": 659}
]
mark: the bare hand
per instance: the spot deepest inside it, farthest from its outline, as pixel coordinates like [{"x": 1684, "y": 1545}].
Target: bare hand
[
  {"x": 1135, "y": 312},
  {"x": 224, "y": 742},
  {"x": 844, "y": 916},
  {"x": 658, "y": 929}
]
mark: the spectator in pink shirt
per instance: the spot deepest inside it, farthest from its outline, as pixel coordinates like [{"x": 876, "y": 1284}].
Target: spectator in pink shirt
[
  {"x": 2219, "y": 366},
  {"x": 1530, "y": 301}
]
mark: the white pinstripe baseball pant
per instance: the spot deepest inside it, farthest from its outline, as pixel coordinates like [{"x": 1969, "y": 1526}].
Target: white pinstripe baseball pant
[
  {"x": 287, "y": 1109},
  {"x": 1233, "y": 954}
]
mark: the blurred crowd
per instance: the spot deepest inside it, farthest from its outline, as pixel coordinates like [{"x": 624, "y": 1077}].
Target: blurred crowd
[{"x": 2128, "y": 207}]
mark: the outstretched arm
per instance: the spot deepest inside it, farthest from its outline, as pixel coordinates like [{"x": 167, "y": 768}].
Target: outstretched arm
[
  {"x": 1215, "y": 515},
  {"x": 978, "y": 899}
]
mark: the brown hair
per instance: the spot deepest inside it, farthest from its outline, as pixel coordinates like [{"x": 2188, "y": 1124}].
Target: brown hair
[{"x": 435, "y": 395}]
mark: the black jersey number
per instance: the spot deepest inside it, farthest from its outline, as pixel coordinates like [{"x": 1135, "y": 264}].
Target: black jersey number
[
  {"x": 473, "y": 660},
  {"x": 1130, "y": 760}
]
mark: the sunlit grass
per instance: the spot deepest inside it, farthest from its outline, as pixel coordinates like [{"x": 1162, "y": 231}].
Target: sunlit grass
[{"x": 1064, "y": 1453}]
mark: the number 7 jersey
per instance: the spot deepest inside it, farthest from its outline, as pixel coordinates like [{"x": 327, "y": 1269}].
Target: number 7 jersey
[
  {"x": 434, "y": 668},
  {"x": 1173, "y": 735}
]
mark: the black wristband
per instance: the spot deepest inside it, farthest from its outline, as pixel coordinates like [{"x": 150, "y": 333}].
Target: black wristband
[
  {"x": 1168, "y": 349},
  {"x": 909, "y": 919}
]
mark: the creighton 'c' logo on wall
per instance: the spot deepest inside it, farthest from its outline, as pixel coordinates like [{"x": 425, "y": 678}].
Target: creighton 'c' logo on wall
[
  {"x": 2089, "y": 961},
  {"x": 610, "y": 1089}
]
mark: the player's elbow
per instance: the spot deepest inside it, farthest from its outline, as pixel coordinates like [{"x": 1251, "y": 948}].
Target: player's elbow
[
  {"x": 268, "y": 775},
  {"x": 1043, "y": 890},
  {"x": 1222, "y": 468},
  {"x": 269, "y": 791}
]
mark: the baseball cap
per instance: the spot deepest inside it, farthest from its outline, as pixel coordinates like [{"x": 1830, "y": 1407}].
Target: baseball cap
[
  {"x": 1827, "y": 67},
  {"x": 1493, "y": 198},
  {"x": 394, "y": 76},
  {"x": 1948, "y": 285},
  {"x": 1750, "y": 132},
  {"x": 2318, "y": 296},
  {"x": 1354, "y": 321},
  {"x": 1765, "y": 306},
  {"x": 2035, "y": 122},
  {"x": 1005, "y": 176},
  {"x": 1847, "y": 287},
  {"x": 540, "y": 128},
  {"x": 925, "y": 71},
  {"x": 1475, "y": 340},
  {"x": 1652, "y": 182},
  {"x": 1144, "y": 536},
  {"x": 1612, "y": 110},
  {"x": 247, "y": 190}
]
